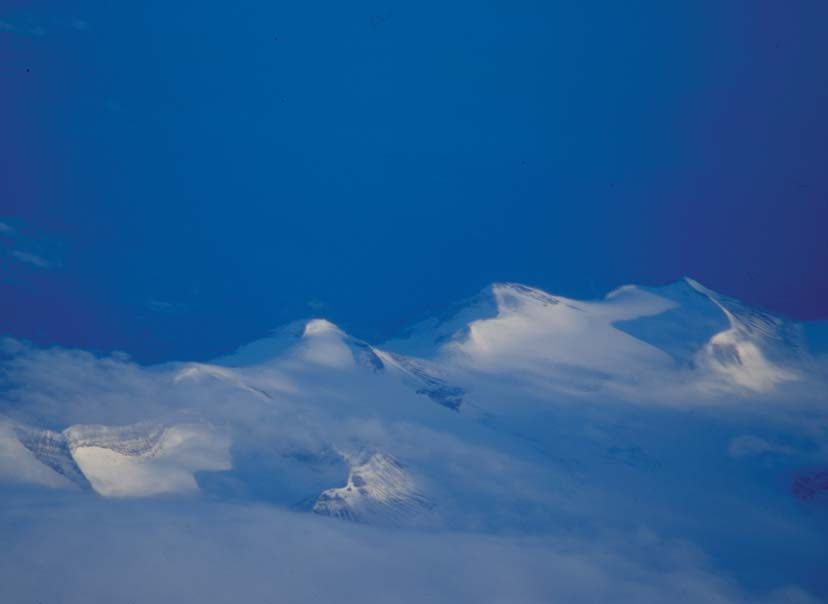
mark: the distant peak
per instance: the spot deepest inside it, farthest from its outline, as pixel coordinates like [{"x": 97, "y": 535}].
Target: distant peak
[
  {"x": 282, "y": 340},
  {"x": 316, "y": 327}
]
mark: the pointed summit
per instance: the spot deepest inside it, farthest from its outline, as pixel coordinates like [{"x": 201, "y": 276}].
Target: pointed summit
[
  {"x": 316, "y": 327},
  {"x": 317, "y": 341},
  {"x": 280, "y": 340}
]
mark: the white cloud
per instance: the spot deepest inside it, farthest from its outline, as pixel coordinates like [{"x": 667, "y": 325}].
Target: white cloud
[{"x": 215, "y": 553}]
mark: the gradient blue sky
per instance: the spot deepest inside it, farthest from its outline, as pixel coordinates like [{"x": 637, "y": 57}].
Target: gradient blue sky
[{"x": 179, "y": 177}]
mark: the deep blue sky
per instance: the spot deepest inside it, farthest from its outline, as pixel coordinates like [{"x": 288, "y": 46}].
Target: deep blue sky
[{"x": 179, "y": 177}]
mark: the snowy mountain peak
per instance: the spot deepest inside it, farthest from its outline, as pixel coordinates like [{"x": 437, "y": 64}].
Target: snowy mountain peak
[
  {"x": 634, "y": 332},
  {"x": 682, "y": 332},
  {"x": 495, "y": 300},
  {"x": 316, "y": 327},
  {"x": 734, "y": 343},
  {"x": 317, "y": 341},
  {"x": 511, "y": 296}
]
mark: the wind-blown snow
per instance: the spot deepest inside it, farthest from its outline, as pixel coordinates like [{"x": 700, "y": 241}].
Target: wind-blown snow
[{"x": 660, "y": 444}]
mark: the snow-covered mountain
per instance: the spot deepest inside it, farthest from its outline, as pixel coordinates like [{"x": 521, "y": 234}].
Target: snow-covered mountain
[
  {"x": 681, "y": 331},
  {"x": 674, "y": 407},
  {"x": 511, "y": 349}
]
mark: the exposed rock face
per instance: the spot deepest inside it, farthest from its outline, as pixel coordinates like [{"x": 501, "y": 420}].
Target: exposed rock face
[{"x": 379, "y": 490}]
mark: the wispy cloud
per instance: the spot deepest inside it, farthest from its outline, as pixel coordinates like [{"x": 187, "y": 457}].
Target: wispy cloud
[
  {"x": 29, "y": 247},
  {"x": 29, "y": 30},
  {"x": 37, "y": 30},
  {"x": 316, "y": 304},
  {"x": 162, "y": 306},
  {"x": 80, "y": 24},
  {"x": 31, "y": 259}
]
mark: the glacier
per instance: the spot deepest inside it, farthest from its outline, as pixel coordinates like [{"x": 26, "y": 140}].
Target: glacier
[{"x": 658, "y": 444}]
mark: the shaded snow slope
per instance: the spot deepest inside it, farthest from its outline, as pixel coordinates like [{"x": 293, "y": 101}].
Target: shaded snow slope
[
  {"x": 684, "y": 329},
  {"x": 31, "y": 456},
  {"x": 53, "y": 450}
]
